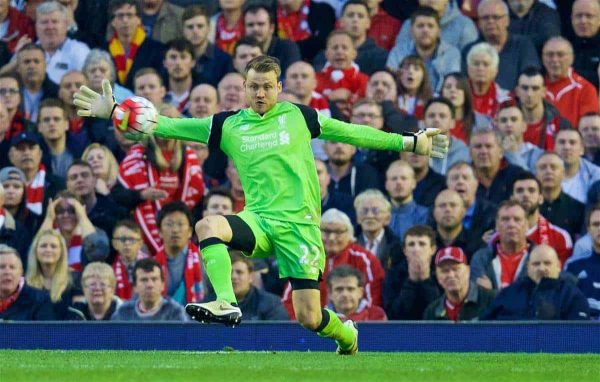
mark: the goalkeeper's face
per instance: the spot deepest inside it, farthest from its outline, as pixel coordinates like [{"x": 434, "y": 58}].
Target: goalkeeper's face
[{"x": 261, "y": 90}]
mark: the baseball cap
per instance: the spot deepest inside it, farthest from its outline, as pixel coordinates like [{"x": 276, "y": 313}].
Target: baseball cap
[
  {"x": 12, "y": 173},
  {"x": 450, "y": 253},
  {"x": 25, "y": 136}
]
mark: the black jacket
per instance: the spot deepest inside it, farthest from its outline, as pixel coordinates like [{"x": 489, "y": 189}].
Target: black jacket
[
  {"x": 286, "y": 51},
  {"x": 149, "y": 55},
  {"x": 321, "y": 21},
  {"x": 551, "y": 299},
  {"x": 477, "y": 301},
  {"x": 259, "y": 305},
  {"x": 17, "y": 236},
  {"x": 540, "y": 23},
  {"x": 31, "y": 305},
  {"x": 501, "y": 187},
  {"x": 389, "y": 248},
  {"x": 587, "y": 57},
  {"x": 428, "y": 188}
]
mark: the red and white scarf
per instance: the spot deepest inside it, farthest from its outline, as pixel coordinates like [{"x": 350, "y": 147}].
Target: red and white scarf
[
  {"x": 192, "y": 273},
  {"x": 294, "y": 25},
  {"x": 34, "y": 193},
  {"x": 124, "y": 56},
  {"x": 6, "y": 303},
  {"x": 74, "y": 248},
  {"x": 124, "y": 288},
  {"x": 227, "y": 37},
  {"x": 412, "y": 105},
  {"x": 487, "y": 103},
  {"x": 351, "y": 78},
  {"x": 2, "y": 218},
  {"x": 137, "y": 173}
]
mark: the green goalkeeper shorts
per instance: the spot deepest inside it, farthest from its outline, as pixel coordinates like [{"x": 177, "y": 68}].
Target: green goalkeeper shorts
[{"x": 297, "y": 247}]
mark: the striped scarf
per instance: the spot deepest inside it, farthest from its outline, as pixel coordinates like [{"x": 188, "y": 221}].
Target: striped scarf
[
  {"x": 225, "y": 37},
  {"x": 192, "y": 273},
  {"x": 34, "y": 194},
  {"x": 123, "y": 61},
  {"x": 5, "y": 304},
  {"x": 294, "y": 25},
  {"x": 124, "y": 289},
  {"x": 74, "y": 248}
]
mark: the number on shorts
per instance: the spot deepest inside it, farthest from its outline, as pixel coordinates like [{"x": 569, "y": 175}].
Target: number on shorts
[{"x": 308, "y": 258}]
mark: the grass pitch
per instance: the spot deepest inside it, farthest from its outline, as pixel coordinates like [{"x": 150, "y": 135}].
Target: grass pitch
[{"x": 116, "y": 366}]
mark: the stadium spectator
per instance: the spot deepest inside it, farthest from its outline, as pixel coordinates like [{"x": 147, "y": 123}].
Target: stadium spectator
[
  {"x": 541, "y": 295},
  {"x": 515, "y": 52},
  {"x": 179, "y": 256},
  {"x": 48, "y": 269},
  {"x": 59, "y": 148},
  {"x": 84, "y": 241},
  {"x": 384, "y": 27},
  {"x": 259, "y": 22},
  {"x": 482, "y": 69},
  {"x": 400, "y": 184},
  {"x": 333, "y": 199},
  {"x": 526, "y": 190},
  {"x": 373, "y": 212},
  {"x": 585, "y": 18},
  {"x": 558, "y": 207},
  {"x": 345, "y": 287},
  {"x": 18, "y": 300},
  {"x": 157, "y": 173},
  {"x": 10, "y": 97},
  {"x": 307, "y": 23},
  {"x": 4, "y": 141},
  {"x": 212, "y": 63},
  {"x": 63, "y": 54},
  {"x": 512, "y": 128},
  {"x": 99, "y": 66},
  {"x": 255, "y": 304},
  {"x": 589, "y": 127},
  {"x": 14, "y": 182},
  {"x": 25, "y": 154},
  {"x": 382, "y": 87},
  {"x": 341, "y": 80},
  {"x": 456, "y": 88},
  {"x": 161, "y": 20},
  {"x": 19, "y": 27},
  {"x": 408, "y": 286},
  {"x": 368, "y": 112},
  {"x": 228, "y": 24},
  {"x": 105, "y": 167},
  {"x": 231, "y": 92},
  {"x": 414, "y": 86},
  {"x": 102, "y": 210},
  {"x": 98, "y": 282},
  {"x": 439, "y": 114},
  {"x": 148, "y": 83},
  {"x": 69, "y": 85},
  {"x": 127, "y": 243},
  {"x": 440, "y": 57},
  {"x": 149, "y": 304},
  {"x": 218, "y": 201},
  {"x": 179, "y": 62},
  {"x": 494, "y": 173},
  {"x": 429, "y": 182},
  {"x": 12, "y": 232},
  {"x": 572, "y": 94},
  {"x": 245, "y": 50},
  {"x": 129, "y": 46},
  {"x": 543, "y": 119},
  {"x": 503, "y": 262},
  {"x": 37, "y": 86},
  {"x": 587, "y": 270},
  {"x": 346, "y": 176},
  {"x": 463, "y": 300},
  {"x": 448, "y": 213},
  {"x": 580, "y": 173},
  {"x": 87, "y": 21},
  {"x": 534, "y": 19}
]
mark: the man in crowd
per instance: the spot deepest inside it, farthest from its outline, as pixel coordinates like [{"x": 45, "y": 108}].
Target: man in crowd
[
  {"x": 589, "y": 127},
  {"x": 231, "y": 92},
  {"x": 245, "y": 50},
  {"x": 535, "y": 19},
  {"x": 334, "y": 199},
  {"x": 161, "y": 20},
  {"x": 429, "y": 182},
  {"x": 585, "y": 18},
  {"x": 179, "y": 63}
]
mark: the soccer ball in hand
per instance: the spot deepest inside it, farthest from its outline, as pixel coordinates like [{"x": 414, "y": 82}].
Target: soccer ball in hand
[{"x": 135, "y": 115}]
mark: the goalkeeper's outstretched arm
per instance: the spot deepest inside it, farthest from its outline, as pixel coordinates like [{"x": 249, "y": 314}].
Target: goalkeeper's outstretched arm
[{"x": 425, "y": 142}]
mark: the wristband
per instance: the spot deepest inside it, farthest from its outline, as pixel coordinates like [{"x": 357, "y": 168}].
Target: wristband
[{"x": 113, "y": 109}]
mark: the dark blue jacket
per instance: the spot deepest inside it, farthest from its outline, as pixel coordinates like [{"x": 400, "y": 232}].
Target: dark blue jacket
[
  {"x": 587, "y": 272},
  {"x": 149, "y": 55},
  {"x": 259, "y": 305},
  {"x": 551, "y": 299},
  {"x": 31, "y": 305}
]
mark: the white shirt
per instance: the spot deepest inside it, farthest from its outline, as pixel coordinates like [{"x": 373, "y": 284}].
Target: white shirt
[{"x": 69, "y": 56}]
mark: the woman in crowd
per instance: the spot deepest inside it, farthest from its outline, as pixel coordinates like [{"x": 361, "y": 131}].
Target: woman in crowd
[
  {"x": 98, "y": 282},
  {"x": 414, "y": 87},
  {"x": 456, "y": 88},
  {"x": 105, "y": 166}
]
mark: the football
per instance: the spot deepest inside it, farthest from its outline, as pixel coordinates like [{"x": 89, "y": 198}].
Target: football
[{"x": 134, "y": 115}]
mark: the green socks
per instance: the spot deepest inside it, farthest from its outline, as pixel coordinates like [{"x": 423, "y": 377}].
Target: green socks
[
  {"x": 332, "y": 327},
  {"x": 218, "y": 267}
]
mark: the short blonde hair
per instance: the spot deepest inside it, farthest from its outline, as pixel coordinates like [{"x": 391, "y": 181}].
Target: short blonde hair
[
  {"x": 372, "y": 193},
  {"x": 484, "y": 48},
  {"x": 113, "y": 165},
  {"x": 334, "y": 215},
  {"x": 399, "y": 163},
  {"x": 99, "y": 270}
]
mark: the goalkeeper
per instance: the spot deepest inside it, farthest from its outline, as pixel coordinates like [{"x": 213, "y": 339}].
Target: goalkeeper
[{"x": 269, "y": 143}]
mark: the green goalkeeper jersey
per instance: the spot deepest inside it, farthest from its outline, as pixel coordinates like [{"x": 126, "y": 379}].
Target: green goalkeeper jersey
[{"x": 272, "y": 153}]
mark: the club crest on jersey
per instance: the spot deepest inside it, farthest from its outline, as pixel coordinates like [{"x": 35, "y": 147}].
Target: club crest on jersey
[
  {"x": 284, "y": 138},
  {"x": 281, "y": 121}
]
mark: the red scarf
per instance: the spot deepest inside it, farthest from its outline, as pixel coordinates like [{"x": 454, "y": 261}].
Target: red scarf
[
  {"x": 509, "y": 264},
  {"x": 294, "y": 25},
  {"x": 2, "y": 217},
  {"x": 34, "y": 193},
  {"x": 123, "y": 58},
  {"x": 459, "y": 132},
  {"x": 319, "y": 103},
  {"x": 135, "y": 172},
  {"x": 452, "y": 310},
  {"x": 330, "y": 79},
  {"x": 412, "y": 106},
  {"x": 124, "y": 288},
  {"x": 76, "y": 124},
  {"x": 225, "y": 37},
  {"x": 192, "y": 273},
  {"x": 5, "y": 304},
  {"x": 487, "y": 103},
  {"x": 17, "y": 125}
]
